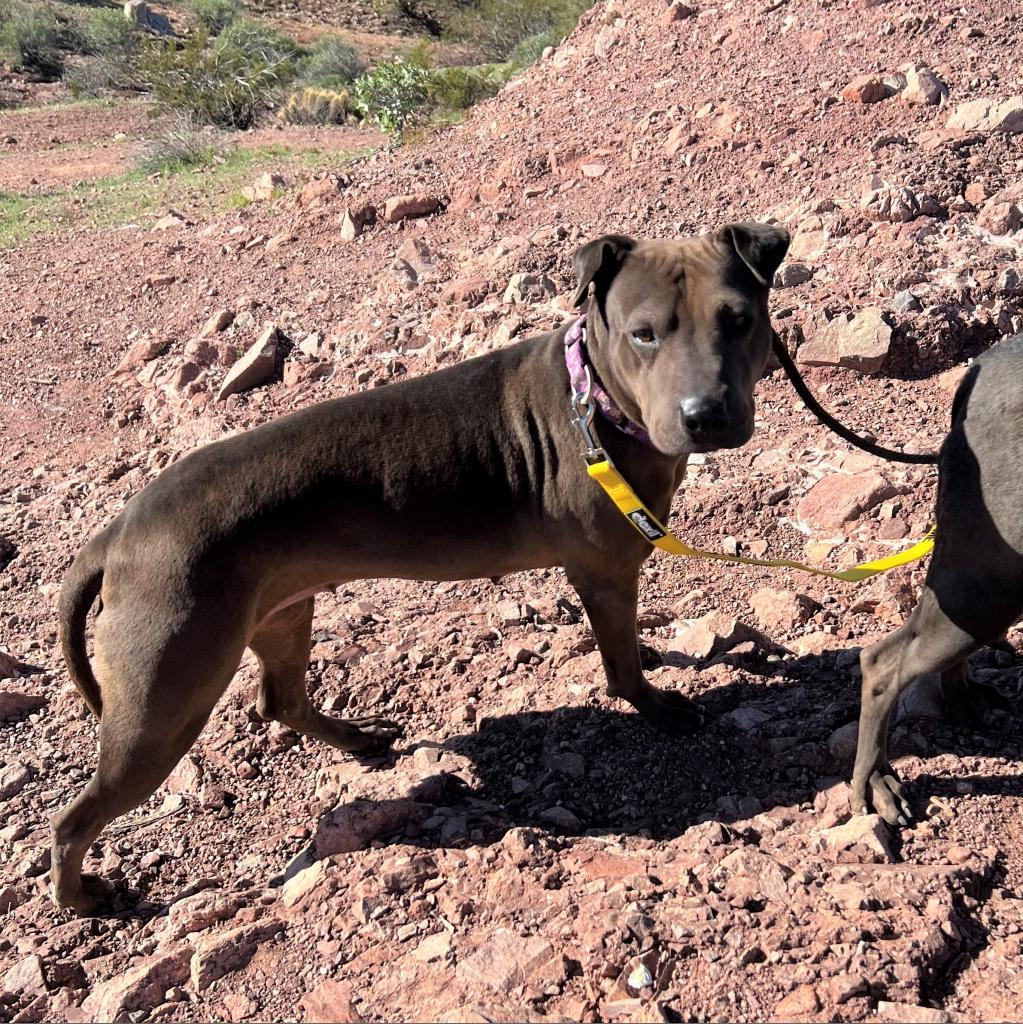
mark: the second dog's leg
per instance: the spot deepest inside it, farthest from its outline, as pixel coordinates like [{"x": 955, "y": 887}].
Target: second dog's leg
[
  {"x": 611, "y": 607},
  {"x": 281, "y": 643},
  {"x": 928, "y": 642},
  {"x": 967, "y": 700}
]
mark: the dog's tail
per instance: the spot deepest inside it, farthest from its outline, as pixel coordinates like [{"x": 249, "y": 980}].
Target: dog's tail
[
  {"x": 793, "y": 374},
  {"x": 81, "y": 585}
]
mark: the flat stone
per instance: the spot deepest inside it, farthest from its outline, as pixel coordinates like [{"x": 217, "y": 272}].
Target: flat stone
[
  {"x": 860, "y": 342},
  {"x": 256, "y": 367}
]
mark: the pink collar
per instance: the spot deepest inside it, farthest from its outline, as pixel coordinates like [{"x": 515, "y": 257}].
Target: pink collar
[{"x": 575, "y": 360}]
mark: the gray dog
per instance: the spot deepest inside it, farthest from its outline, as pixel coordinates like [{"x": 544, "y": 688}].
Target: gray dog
[
  {"x": 472, "y": 471},
  {"x": 974, "y": 586}
]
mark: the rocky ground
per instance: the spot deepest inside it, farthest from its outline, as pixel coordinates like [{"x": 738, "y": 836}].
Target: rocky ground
[{"x": 532, "y": 851}]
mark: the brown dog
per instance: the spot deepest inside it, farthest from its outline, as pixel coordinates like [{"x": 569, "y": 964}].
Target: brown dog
[{"x": 469, "y": 472}]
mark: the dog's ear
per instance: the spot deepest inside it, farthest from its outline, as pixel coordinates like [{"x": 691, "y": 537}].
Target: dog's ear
[
  {"x": 598, "y": 261},
  {"x": 761, "y": 247}
]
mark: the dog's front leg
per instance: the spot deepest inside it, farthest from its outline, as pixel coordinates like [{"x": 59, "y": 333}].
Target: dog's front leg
[{"x": 610, "y": 603}]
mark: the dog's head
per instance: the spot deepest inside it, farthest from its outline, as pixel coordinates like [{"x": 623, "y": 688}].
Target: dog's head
[{"x": 680, "y": 330}]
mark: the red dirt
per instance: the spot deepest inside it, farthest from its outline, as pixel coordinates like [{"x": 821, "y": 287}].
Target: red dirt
[{"x": 532, "y": 847}]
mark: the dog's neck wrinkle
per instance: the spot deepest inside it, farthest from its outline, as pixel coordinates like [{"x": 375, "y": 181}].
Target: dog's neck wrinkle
[{"x": 596, "y": 352}]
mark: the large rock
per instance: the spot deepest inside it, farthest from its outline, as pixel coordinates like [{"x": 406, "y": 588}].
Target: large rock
[
  {"x": 838, "y": 499},
  {"x": 26, "y": 977},
  {"x": 860, "y": 342},
  {"x": 715, "y": 633},
  {"x": 781, "y": 609},
  {"x": 866, "y": 830},
  {"x": 13, "y": 779},
  {"x": 264, "y": 187},
  {"x": 200, "y": 911},
  {"x": 315, "y": 192},
  {"x": 139, "y": 13},
  {"x": 507, "y": 962},
  {"x": 258, "y": 366},
  {"x": 1002, "y": 214},
  {"x": 140, "y": 988},
  {"x": 988, "y": 116},
  {"x": 375, "y": 807},
  {"x": 13, "y": 705},
  {"x": 140, "y": 353},
  {"x": 922, "y": 86},
  {"x": 526, "y": 288},
  {"x": 865, "y": 89},
  {"x": 8, "y": 666},
  {"x": 330, "y": 1003},
  {"x": 404, "y": 207},
  {"x": 894, "y": 204},
  {"x": 220, "y": 954},
  {"x": 467, "y": 291}
]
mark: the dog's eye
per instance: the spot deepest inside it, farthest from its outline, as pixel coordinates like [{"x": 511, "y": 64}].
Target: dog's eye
[
  {"x": 735, "y": 319},
  {"x": 644, "y": 339}
]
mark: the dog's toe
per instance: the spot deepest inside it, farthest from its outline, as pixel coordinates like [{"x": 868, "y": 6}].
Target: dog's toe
[
  {"x": 378, "y": 732},
  {"x": 889, "y": 798}
]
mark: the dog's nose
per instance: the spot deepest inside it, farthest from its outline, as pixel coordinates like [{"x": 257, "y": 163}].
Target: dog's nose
[{"x": 703, "y": 417}]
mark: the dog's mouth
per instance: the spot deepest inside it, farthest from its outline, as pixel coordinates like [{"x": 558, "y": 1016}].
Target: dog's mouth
[{"x": 683, "y": 442}]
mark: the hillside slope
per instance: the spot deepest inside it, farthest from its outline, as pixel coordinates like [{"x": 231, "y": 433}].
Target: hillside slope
[{"x": 532, "y": 851}]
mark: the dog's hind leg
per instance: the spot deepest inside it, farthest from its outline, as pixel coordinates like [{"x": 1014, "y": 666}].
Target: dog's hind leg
[
  {"x": 141, "y": 740},
  {"x": 281, "y": 643},
  {"x": 928, "y": 642},
  {"x": 611, "y": 604}
]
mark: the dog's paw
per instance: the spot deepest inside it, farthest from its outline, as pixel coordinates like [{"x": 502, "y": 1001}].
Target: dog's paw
[
  {"x": 374, "y": 734},
  {"x": 95, "y": 898},
  {"x": 883, "y": 794},
  {"x": 671, "y": 713}
]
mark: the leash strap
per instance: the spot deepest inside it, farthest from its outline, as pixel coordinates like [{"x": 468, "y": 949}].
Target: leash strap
[{"x": 653, "y": 530}]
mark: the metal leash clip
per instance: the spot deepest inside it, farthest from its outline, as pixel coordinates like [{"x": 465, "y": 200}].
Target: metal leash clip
[{"x": 584, "y": 409}]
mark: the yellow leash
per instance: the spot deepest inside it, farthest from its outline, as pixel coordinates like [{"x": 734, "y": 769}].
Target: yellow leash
[{"x": 628, "y": 503}]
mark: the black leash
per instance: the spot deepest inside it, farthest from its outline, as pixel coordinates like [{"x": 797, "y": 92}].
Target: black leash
[{"x": 793, "y": 374}]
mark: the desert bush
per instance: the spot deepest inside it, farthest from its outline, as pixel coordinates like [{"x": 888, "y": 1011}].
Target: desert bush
[
  {"x": 456, "y": 88},
  {"x": 104, "y": 32},
  {"x": 30, "y": 38},
  {"x": 331, "y": 62},
  {"x": 111, "y": 44},
  {"x": 259, "y": 42},
  {"x": 212, "y": 85},
  {"x": 391, "y": 94},
  {"x": 181, "y": 145},
  {"x": 311, "y": 105},
  {"x": 214, "y": 15},
  {"x": 514, "y": 29}
]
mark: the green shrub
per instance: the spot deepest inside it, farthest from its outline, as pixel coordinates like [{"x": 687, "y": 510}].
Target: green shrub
[
  {"x": 179, "y": 147},
  {"x": 212, "y": 85},
  {"x": 391, "y": 94},
  {"x": 331, "y": 62},
  {"x": 214, "y": 15},
  {"x": 111, "y": 44},
  {"x": 311, "y": 105},
  {"x": 499, "y": 27},
  {"x": 104, "y": 32},
  {"x": 529, "y": 50},
  {"x": 456, "y": 88},
  {"x": 259, "y": 42},
  {"x": 30, "y": 38}
]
